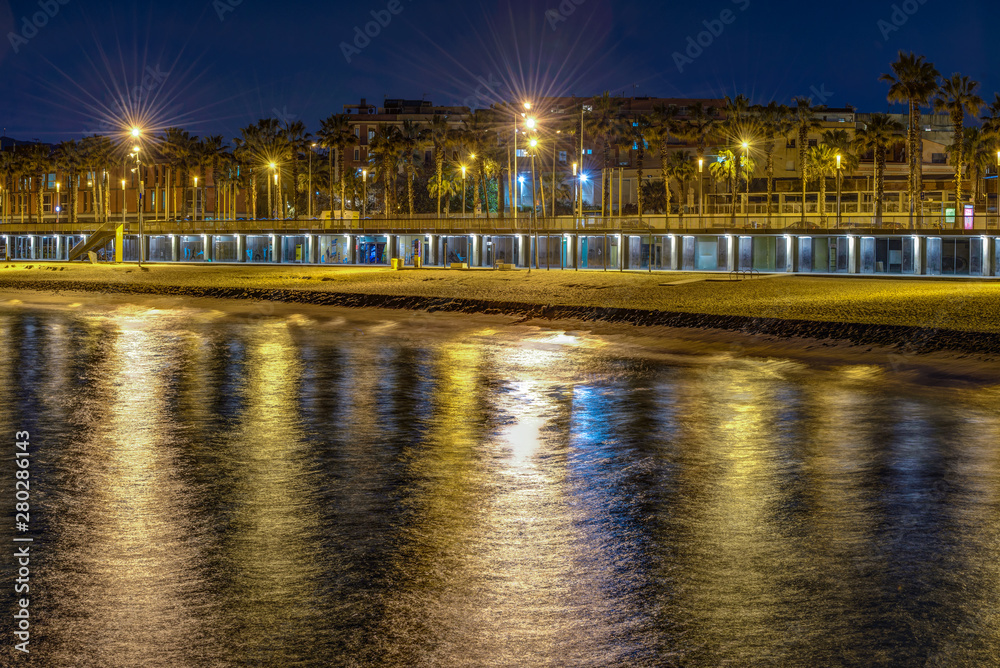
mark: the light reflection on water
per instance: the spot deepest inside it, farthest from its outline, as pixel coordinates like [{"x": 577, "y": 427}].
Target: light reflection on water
[{"x": 310, "y": 491}]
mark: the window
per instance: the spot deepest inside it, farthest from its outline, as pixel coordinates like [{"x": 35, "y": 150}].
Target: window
[
  {"x": 789, "y": 165},
  {"x": 590, "y": 151},
  {"x": 562, "y": 156},
  {"x": 939, "y": 158},
  {"x": 357, "y": 131},
  {"x": 521, "y": 153},
  {"x": 790, "y": 143},
  {"x": 813, "y": 142},
  {"x": 51, "y": 179},
  {"x": 357, "y": 154},
  {"x": 371, "y": 133}
]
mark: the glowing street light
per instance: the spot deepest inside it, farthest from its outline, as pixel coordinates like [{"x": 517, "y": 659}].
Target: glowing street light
[
  {"x": 463, "y": 190},
  {"x": 701, "y": 192},
  {"x": 136, "y": 132},
  {"x": 364, "y": 195},
  {"x": 838, "y": 190},
  {"x": 746, "y": 170},
  {"x": 58, "y": 201}
]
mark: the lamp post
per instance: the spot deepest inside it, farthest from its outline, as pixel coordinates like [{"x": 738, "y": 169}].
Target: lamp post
[
  {"x": 139, "y": 198},
  {"x": 277, "y": 197},
  {"x": 311, "y": 181},
  {"x": 701, "y": 193},
  {"x": 196, "y": 198},
  {"x": 746, "y": 175},
  {"x": 124, "y": 205},
  {"x": 838, "y": 191},
  {"x": 998, "y": 188},
  {"x": 463, "y": 191},
  {"x": 364, "y": 194},
  {"x": 58, "y": 205},
  {"x": 575, "y": 185},
  {"x": 270, "y": 201},
  {"x": 534, "y": 209}
]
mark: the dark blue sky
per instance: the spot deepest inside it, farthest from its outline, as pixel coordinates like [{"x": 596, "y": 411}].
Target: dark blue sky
[{"x": 213, "y": 66}]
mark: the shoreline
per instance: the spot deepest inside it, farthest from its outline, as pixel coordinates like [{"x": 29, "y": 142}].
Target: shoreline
[{"x": 895, "y": 338}]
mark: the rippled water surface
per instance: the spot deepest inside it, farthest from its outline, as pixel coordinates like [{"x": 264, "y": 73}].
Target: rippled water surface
[{"x": 348, "y": 488}]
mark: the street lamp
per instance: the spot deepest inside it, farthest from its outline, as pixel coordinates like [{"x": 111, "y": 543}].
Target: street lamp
[
  {"x": 270, "y": 201},
  {"x": 124, "y": 205},
  {"x": 463, "y": 191},
  {"x": 534, "y": 211},
  {"x": 701, "y": 193},
  {"x": 746, "y": 174},
  {"x": 311, "y": 182},
  {"x": 364, "y": 195},
  {"x": 196, "y": 198},
  {"x": 58, "y": 202},
  {"x": 141, "y": 193},
  {"x": 838, "y": 191}
]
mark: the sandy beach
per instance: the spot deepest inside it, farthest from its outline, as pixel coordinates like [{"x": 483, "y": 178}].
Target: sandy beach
[{"x": 913, "y": 315}]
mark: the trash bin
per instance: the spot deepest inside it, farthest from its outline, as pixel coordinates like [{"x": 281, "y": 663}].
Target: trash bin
[
  {"x": 417, "y": 262},
  {"x": 397, "y": 263}
]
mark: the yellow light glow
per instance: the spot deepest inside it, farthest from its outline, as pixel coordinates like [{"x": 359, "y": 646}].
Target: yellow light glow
[
  {"x": 534, "y": 142},
  {"x": 463, "y": 171},
  {"x": 135, "y": 149},
  {"x": 123, "y": 183},
  {"x": 136, "y": 132},
  {"x": 272, "y": 165},
  {"x": 530, "y": 122},
  {"x": 527, "y": 105},
  {"x": 746, "y": 145},
  {"x": 574, "y": 169}
]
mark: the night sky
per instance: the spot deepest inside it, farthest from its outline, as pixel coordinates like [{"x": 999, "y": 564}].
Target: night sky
[{"x": 215, "y": 66}]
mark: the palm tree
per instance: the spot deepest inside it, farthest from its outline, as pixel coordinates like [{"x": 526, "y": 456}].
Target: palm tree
[
  {"x": 243, "y": 153},
  {"x": 39, "y": 160},
  {"x": 699, "y": 126},
  {"x": 725, "y": 169},
  {"x": 69, "y": 161},
  {"x": 979, "y": 148},
  {"x": 680, "y": 167},
  {"x": 384, "y": 148},
  {"x": 775, "y": 123},
  {"x": 447, "y": 187},
  {"x": 664, "y": 125},
  {"x": 602, "y": 124},
  {"x": 804, "y": 122},
  {"x": 212, "y": 154},
  {"x": 297, "y": 140},
  {"x": 442, "y": 137},
  {"x": 822, "y": 161},
  {"x": 335, "y": 136},
  {"x": 8, "y": 169},
  {"x": 638, "y": 130},
  {"x": 913, "y": 82},
  {"x": 957, "y": 96},
  {"x": 877, "y": 135},
  {"x": 180, "y": 149},
  {"x": 411, "y": 143}
]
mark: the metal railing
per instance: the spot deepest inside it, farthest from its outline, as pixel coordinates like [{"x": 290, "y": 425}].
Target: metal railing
[{"x": 657, "y": 224}]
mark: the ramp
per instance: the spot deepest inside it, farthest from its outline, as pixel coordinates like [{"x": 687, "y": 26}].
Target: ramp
[{"x": 100, "y": 237}]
